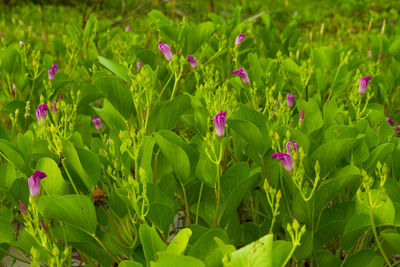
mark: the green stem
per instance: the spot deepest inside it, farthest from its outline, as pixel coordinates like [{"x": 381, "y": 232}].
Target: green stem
[
  {"x": 13, "y": 256},
  {"x": 69, "y": 177},
  {"x": 175, "y": 85},
  {"x": 290, "y": 255},
  {"x": 106, "y": 248},
  {"x": 371, "y": 214},
  {"x": 218, "y": 183},
  {"x": 186, "y": 206},
  {"x": 198, "y": 203}
]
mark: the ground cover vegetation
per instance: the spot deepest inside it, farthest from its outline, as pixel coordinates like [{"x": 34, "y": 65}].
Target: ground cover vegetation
[{"x": 200, "y": 133}]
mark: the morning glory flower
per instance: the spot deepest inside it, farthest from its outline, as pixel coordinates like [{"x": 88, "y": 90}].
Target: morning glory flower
[
  {"x": 41, "y": 111},
  {"x": 52, "y": 71},
  {"x": 53, "y": 107},
  {"x": 239, "y": 39},
  {"x": 293, "y": 144},
  {"x": 290, "y": 99},
  {"x": 166, "y": 50},
  {"x": 139, "y": 64},
  {"x": 128, "y": 28},
  {"x": 97, "y": 123},
  {"x": 301, "y": 118},
  {"x": 44, "y": 36},
  {"x": 219, "y": 122},
  {"x": 21, "y": 43},
  {"x": 390, "y": 121},
  {"x": 34, "y": 182},
  {"x": 43, "y": 226},
  {"x": 242, "y": 74},
  {"x": 22, "y": 207},
  {"x": 192, "y": 61},
  {"x": 285, "y": 159},
  {"x": 363, "y": 84}
]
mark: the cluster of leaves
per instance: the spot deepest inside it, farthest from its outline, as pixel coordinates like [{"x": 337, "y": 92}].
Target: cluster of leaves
[{"x": 114, "y": 195}]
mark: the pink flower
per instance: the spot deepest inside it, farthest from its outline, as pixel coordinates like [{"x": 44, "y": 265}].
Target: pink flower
[
  {"x": 192, "y": 61},
  {"x": 242, "y": 74},
  {"x": 301, "y": 118},
  {"x": 22, "y": 207},
  {"x": 52, "y": 71},
  {"x": 164, "y": 48},
  {"x": 97, "y": 123},
  {"x": 239, "y": 39},
  {"x": 53, "y": 107},
  {"x": 34, "y": 182},
  {"x": 128, "y": 28},
  {"x": 285, "y": 159},
  {"x": 219, "y": 123},
  {"x": 363, "y": 84},
  {"x": 41, "y": 111},
  {"x": 139, "y": 64},
  {"x": 21, "y": 43},
  {"x": 294, "y": 145},
  {"x": 390, "y": 121},
  {"x": 290, "y": 99}
]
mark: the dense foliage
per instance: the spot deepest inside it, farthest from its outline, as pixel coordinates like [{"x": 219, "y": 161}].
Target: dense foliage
[{"x": 209, "y": 133}]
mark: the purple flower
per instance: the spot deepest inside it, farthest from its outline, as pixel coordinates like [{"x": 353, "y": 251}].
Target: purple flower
[
  {"x": 192, "y": 61},
  {"x": 2, "y": 35},
  {"x": 139, "y": 64},
  {"x": 43, "y": 36},
  {"x": 301, "y": 118},
  {"x": 380, "y": 57},
  {"x": 13, "y": 86},
  {"x": 52, "y": 71},
  {"x": 219, "y": 122},
  {"x": 290, "y": 99},
  {"x": 41, "y": 112},
  {"x": 22, "y": 207},
  {"x": 21, "y": 43},
  {"x": 164, "y": 48},
  {"x": 239, "y": 39},
  {"x": 128, "y": 28},
  {"x": 242, "y": 74},
  {"x": 97, "y": 123},
  {"x": 294, "y": 145},
  {"x": 390, "y": 121},
  {"x": 369, "y": 53},
  {"x": 34, "y": 182},
  {"x": 363, "y": 84},
  {"x": 285, "y": 159},
  {"x": 53, "y": 107}
]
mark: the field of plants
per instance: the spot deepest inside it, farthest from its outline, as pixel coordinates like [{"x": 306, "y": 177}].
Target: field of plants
[{"x": 200, "y": 133}]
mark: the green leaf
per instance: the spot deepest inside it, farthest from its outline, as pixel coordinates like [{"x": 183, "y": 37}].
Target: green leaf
[
  {"x": 77, "y": 210},
  {"x": 15, "y": 156},
  {"x": 326, "y": 258},
  {"x": 312, "y": 115},
  {"x": 151, "y": 242},
  {"x": 180, "y": 241},
  {"x": 129, "y": 263},
  {"x": 392, "y": 238},
  {"x": 204, "y": 247},
  {"x": 353, "y": 230},
  {"x": 280, "y": 250},
  {"x": 166, "y": 259},
  {"x": 7, "y": 176},
  {"x": 176, "y": 157},
  {"x": 249, "y": 132},
  {"x": 54, "y": 183},
  {"x": 197, "y": 36},
  {"x": 258, "y": 253},
  {"x": 256, "y": 73},
  {"x": 85, "y": 163},
  {"x": 116, "y": 68},
  {"x": 365, "y": 258},
  {"x": 117, "y": 92},
  {"x": 161, "y": 210},
  {"x": 110, "y": 115},
  {"x": 6, "y": 230},
  {"x": 384, "y": 211}
]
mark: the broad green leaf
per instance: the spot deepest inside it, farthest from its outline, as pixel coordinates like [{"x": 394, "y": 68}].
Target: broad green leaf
[
  {"x": 353, "y": 230},
  {"x": 180, "y": 241},
  {"x": 15, "y": 156},
  {"x": 166, "y": 259},
  {"x": 392, "y": 238},
  {"x": 7, "y": 176},
  {"x": 280, "y": 250},
  {"x": 249, "y": 132},
  {"x": 204, "y": 245},
  {"x": 151, "y": 242},
  {"x": 384, "y": 211},
  {"x": 77, "y": 210},
  {"x": 365, "y": 258},
  {"x": 116, "y": 68},
  {"x": 110, "y": 115},
  {"x": 176, "y": 157},
  {"x": 197, "y": 36},
  {"x": 326, "y": 258},
  {"x": 54, "y": 183},
  {"x": 130, "y": 263}
]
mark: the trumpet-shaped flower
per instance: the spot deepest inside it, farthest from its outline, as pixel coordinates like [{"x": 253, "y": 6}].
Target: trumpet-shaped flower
[
  {"x": 293, "y": 144},
  {"x": 242, "y": 74},
  {"x": 166, "y": 50},
  {"x": 389, "y": 120},
  {"x": 128, "y": 28},
  {"x": 22, "y": 207},
  {"x": 97, "y": 123},
  {"x": 219, "y": 122},
  {"x": 139, "y": 64},
  {"x": 363, "y": 84},
  {"x": 34, "y": 182},
  {"x": 52, "y": 71},
  {"x": 285, "y": 159},
  {"x": 192, "y": 61},
  {"x": 41, "y": 111},
  {"x": 301, "y": 118},
  {"x": 290, "y": 99},
  {"x": 239, "y": 39}
]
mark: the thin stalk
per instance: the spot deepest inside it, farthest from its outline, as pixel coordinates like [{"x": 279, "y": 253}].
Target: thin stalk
[
  {"x": 13, "y": 256},
  {"x": 69, "y": 177},
  {"x": 198, "y": 203},
  {"x": 290, "y": 255},
  {"x": 218, "y": 189},
  {"x": 265, "y": 170},
  {"x": 175, "y": 85},
  {"x": 106, "y": 248},
  {"x": 186, "y": 206}
]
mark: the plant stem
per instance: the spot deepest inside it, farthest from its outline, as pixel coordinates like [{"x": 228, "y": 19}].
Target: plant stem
[
  {"x": 186, "y": 206},
  {"x": 198, "y": 203},
  {"x": 290, "y": 255},
  {"x": 218, "y": 183},
  {"x": 371, "y": 214},
  {"x": 106, "y": 248}
]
